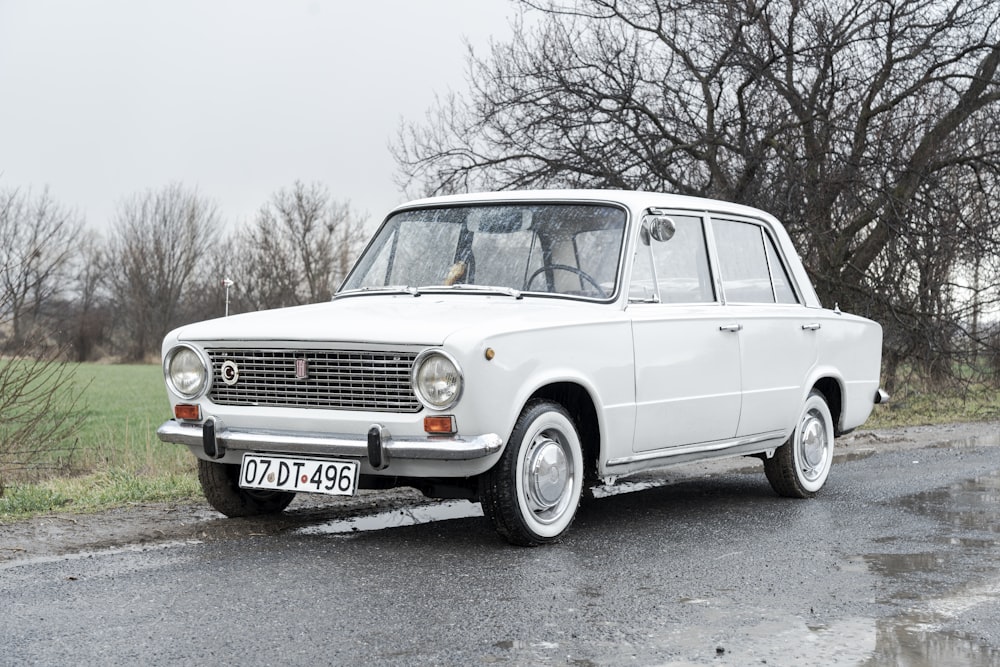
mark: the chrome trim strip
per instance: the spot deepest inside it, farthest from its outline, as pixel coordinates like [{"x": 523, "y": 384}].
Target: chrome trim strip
[
  {"x": 440, "y": 449},
  {"x": 719, "y": 447}
]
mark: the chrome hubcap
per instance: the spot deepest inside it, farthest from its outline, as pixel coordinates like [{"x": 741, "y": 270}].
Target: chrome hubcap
[
  {"x": 548, "y": 474},
  {"x": 813, "y": 445}
]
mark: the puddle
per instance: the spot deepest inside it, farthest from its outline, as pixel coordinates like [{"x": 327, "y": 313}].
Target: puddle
[
  {"x": 915, "y": 642},
  {"x": 856, "y": 454},
  {"x": 407, "y": 516},
  {"x": 775, "y": 638},
  {"x": 618, "y": 488},
  {"x": 97, "y": 553},
  {"x": 973, "y": 505},
  {"x": 970, "y": 442},
  {"x": 455, "y": 509},
  {"x": 968, "y": 515}
]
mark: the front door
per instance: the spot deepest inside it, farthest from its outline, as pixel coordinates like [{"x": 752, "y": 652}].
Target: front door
[
  {"x": 687, "y": 376},
  {"x": 687, "y": 353}
]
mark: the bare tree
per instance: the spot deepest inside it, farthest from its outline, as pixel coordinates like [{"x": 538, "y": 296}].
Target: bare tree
[
  {"x": 157, "y": 242},
  {"x": 39, "y": 401},
  {"x": 85, "y": 314},
  {"x": 870, "y": 128},
  {"x": 38, "y": 241},
  {"x": 207, "y": 293},
  {"x": 40, "y": 412},
  {"x": 298, "y": 249}
]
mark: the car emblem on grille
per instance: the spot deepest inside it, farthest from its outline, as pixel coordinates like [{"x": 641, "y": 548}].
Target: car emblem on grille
[
  {"x": 230, "y": 372},
  {"x": 301, "y": 369}
]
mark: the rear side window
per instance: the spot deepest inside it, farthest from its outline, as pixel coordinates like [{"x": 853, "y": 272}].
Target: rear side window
[
  {"x": 750, "y": 265},
  {"x": 783, "y": 292}
]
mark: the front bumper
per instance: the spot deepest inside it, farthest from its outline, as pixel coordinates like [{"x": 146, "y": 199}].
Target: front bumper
[{"x": 378, "y": 447}]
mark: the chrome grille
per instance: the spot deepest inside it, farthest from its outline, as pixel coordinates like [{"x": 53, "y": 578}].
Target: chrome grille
[{"x": 333, "y": 379}]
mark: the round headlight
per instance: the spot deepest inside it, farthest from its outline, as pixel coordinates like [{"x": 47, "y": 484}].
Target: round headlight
[
  {"x": 437, "y": 379},
  {"x": 186, "y": 372}
]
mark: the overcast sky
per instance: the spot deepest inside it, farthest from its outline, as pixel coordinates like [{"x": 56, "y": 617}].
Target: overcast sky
[{"x": 103, "y": 99}]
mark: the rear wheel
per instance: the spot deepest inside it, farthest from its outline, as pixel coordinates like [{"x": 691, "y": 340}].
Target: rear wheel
[
  {"x": 220, "y": 483},
  {"x": 532, "y": 493},
  {"x": 799, "y": 467}
]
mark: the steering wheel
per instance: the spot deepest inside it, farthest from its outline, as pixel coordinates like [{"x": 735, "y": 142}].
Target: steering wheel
[{"x": 566, "y": 267}]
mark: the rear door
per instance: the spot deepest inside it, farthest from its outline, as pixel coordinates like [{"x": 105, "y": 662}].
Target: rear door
[{"x": 777, "y": 334}]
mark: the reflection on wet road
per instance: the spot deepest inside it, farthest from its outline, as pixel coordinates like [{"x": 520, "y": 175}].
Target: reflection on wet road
[
  {"x": 408, "y": 516},
  {"x": 969, "y": 543},
  {"x": 917, "y": 637},
  {"x": 454, "y": 509}
]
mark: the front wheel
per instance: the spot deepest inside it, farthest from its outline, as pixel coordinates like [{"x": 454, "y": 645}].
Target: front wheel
[
  {"x": 532, "y": 493},
  {"x": 799, "y": 467},
  {"x": 220, "y": 483}
]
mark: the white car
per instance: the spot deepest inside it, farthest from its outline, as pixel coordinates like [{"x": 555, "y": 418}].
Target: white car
[{"x": 515, "y": 347}]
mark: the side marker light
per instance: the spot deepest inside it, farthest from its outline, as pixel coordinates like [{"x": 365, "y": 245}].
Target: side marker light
[
  {"x": 440, "y": 425},
  {"x": 187, "y": 411}
]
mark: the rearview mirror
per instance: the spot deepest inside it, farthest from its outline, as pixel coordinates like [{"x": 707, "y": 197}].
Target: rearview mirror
[
  {"x": 499, "y": 219},
  {"x": 660, "y": 227}
]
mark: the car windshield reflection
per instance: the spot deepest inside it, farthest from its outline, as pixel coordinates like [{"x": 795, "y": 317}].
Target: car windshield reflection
[{"x": 570, "y": 250}]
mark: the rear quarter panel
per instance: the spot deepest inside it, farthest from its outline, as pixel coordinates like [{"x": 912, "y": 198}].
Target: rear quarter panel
[{"x": 850, "y": 350}]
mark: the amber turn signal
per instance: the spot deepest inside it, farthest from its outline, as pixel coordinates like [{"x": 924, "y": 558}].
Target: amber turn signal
[
  {"x": 442, "y": 424},
  {"x": 186, "y": 411}
]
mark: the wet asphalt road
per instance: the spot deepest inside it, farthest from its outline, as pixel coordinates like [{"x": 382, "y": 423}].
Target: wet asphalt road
[{"x": 895, "y": 563}]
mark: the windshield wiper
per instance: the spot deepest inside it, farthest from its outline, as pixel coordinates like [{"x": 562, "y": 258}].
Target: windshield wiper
[
  {"x": 387, "y": 289},
  {"x": 483, "y": 289}
]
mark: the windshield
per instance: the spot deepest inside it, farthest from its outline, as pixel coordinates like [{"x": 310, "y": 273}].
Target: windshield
[{"x": 567, "y": 249}]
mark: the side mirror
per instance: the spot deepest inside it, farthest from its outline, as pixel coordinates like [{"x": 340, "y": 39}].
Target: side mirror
[{"x": 659, "y": 227}]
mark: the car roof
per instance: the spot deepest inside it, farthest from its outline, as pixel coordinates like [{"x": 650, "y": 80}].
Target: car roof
[{"x": 634, "y": 199}]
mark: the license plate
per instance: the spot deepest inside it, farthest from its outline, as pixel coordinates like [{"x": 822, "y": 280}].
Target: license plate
[{"x": 335, "y": 477}]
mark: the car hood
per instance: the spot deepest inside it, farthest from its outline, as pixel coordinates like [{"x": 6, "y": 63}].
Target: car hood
[{"x": 428, "y": 319}]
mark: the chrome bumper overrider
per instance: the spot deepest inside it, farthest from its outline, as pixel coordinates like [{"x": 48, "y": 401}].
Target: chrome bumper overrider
[{"x": 444, "y": 448}]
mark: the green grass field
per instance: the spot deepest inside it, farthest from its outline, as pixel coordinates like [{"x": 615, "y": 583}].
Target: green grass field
[
  {"x": 118, "y": 459},
  {"x": 124, "y": 406}
]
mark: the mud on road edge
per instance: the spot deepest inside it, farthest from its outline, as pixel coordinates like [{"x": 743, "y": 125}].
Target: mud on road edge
[{"x": 60, "y": 534}]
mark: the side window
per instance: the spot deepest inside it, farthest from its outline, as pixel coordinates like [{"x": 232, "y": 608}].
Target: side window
[
  {"x": 783, "y": 291},
  {"x": 743, "y": 262},
  {"x": 678, "y": 266}
]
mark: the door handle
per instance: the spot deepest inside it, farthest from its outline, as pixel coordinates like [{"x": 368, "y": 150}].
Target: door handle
[
  {"x": 811, "y": 327},
  {"x": 731, "y": 327}
]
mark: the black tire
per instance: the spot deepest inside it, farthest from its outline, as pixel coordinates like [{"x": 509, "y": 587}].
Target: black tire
[
  {"x": 800, "y": 467},
  {"x": 220, "y": 483},
  {"x": 532, "y": 493}
]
